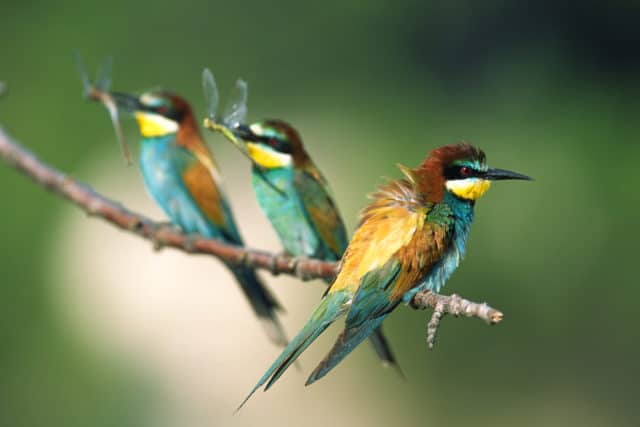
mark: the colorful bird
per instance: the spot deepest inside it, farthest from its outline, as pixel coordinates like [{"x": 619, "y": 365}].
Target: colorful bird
[
  {"x": 181, "y": 175},
  {"x": 410, "y": 238},
  {"x": 289, "y": 187},
  {"x": 296, "y": 199}
]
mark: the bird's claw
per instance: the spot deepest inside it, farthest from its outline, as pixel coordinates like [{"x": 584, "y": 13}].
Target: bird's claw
[
  {"x": 190, "y": 242},
  {"x": 156, "y": 240},
  {"x": 297, "y": 265},
  {"x": 434, "y": 323}
]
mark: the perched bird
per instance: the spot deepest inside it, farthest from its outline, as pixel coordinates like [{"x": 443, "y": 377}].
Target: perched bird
[
  {"x": 181, "y": 175},
  {"x": 411, "y": 238},
  {"x": 296, "y": 199}
]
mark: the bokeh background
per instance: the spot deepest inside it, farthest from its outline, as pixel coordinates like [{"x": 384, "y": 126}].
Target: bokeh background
[{"x": 98, "y": 329}]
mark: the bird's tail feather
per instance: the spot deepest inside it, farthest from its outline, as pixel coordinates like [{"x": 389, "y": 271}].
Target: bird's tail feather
[
  {"x": 383, "y": 349},
  {"x": 381, "y": 346},
  {"x": 330, "y": 308},
  {"x": 346, "y": 342},
  {"x": 263, "y": 303}
]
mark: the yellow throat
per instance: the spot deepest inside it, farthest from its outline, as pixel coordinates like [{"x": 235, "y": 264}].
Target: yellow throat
[
  {"x": 470, "y": 188},
  {"x": 267, "y": 157},
  {"x": 154, "y": 125}
]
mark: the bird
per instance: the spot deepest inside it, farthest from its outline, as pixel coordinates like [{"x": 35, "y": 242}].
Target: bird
[
  {"x": 181, "y": 176},
  {"x": 410, "y": 238},
  {"x": 297, "y": 200}
]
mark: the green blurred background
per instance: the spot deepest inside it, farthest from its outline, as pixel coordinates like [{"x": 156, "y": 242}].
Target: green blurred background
[{"x": 547, "y": 90}]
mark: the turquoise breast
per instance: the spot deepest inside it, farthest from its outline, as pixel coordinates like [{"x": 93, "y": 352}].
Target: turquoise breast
[
  {"x": 280, "y": 202},
  {"x": 162, "y": 162},
  {"x": 460, "y": 217}
]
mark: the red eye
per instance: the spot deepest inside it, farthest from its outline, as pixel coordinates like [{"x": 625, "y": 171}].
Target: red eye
[{"x": 465, "y": 171}]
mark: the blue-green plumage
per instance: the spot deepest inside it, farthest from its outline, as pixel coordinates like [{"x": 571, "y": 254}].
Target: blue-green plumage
[
  {"x": 163, "y": 162},
  {"x": 296, "y": 199},
  {"x": 181, "y": 176},
  {"x": 457, "y": 215},
  {"x": 281, "y": 202}
]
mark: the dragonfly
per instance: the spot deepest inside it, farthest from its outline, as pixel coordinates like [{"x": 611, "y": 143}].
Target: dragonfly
[
  {"x": 99, "y": 91},
  {"x": 235, "y": 115}
]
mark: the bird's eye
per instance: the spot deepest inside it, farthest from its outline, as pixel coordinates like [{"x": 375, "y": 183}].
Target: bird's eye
[
  {"x": 465, "y": 171},
  {"x": 274, "y": 143},
  {"x": 161, "y": 110}
]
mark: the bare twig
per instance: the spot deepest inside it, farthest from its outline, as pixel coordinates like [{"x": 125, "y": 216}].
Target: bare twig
[
  {"x": 3, "y": 88},
  {"x": 455, "y": 305},
  {"x": 165, "y": 235}
]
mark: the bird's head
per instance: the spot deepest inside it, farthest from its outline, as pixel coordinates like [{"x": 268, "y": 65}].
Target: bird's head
[
  {"x": 157, "y": 113},
  {"x": 271, "y": 144},
  {"x": 461, "y": 169}
]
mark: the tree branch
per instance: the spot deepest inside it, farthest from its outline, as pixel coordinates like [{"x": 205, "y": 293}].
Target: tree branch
[
  {"x": 455, "y": 305},
  {"x": 165, "y": 235},
  {"x": 159, "y": 234}
]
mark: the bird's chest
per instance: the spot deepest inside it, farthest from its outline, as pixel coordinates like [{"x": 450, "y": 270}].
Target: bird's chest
[
  {"x": 157, "y": 163},
  {"x": 281, "y": 203},
  {"x": 456, "y": 221}
]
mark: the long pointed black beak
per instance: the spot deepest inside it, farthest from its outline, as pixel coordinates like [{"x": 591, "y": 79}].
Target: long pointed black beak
[
  {"x": 244, "y": 132},
  {"x": 129, "y": 103},
  {"x": 501, "y": 174}
]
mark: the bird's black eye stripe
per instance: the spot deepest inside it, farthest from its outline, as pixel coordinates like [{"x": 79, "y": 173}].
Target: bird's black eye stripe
[
  {"x": 168, "y": 112},
  {"x": 461, "y": 172},
  {"x": 174, "y": 114},
  {"x": 277, "y": 144}
]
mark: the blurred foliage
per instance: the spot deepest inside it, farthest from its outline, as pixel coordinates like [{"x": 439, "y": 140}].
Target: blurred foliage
[{"x": 548, "y": 90}]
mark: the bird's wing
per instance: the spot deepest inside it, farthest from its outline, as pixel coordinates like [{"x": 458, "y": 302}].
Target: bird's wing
[
  {"x": 201, "y": 179},
  {"x": 389, "y": 254},
  {"x": 321, "y": 210},
  {"x": 387, "y": 225},
  {"x": 381, "y": 289}
]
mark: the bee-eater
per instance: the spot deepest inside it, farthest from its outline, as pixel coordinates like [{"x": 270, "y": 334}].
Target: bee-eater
[
  {"x": 296, "y": 199},
  {"x": 411, "y": 238},
  {"x": 180, "y": 173}
]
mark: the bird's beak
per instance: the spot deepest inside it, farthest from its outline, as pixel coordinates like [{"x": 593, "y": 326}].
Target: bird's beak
[
  {"x": 129, "y": 103},
  {"x": 244, "y": 132},
  {"x": 236, "y": 136},
  {"x": 501, "y": 174},
  {"x": 241, "y": 135}
]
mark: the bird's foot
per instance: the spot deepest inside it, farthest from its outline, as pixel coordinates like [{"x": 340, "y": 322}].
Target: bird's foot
[
  {"x": 190, "y": 242},
  {"x": 434, "y": 323},
  {"x": 167, "y": 224},
  {"x": 277, "y": 258},
  {"x": 296, "y": 266},
  {"x": 156, "y": 240}
]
